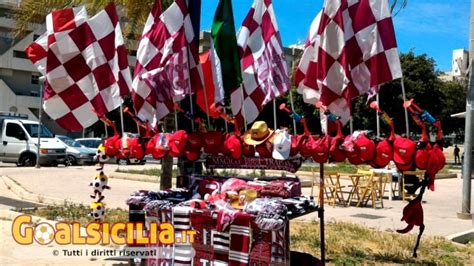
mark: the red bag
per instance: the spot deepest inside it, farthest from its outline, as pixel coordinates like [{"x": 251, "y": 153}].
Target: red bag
[
  {"x": 335, "y": 151},
  {"x": 383, "y": 154},
  {"x": 306, "y": 148},
  {"x": 320, "y": 151}
]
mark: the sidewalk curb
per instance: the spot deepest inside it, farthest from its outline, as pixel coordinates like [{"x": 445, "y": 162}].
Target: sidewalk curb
[
  {"x": 462, "y": 237},
  {"x": 24, "y": 194}
]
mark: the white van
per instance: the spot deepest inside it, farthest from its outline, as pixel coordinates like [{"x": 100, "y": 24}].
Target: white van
[{"x": 19, "y": 140}]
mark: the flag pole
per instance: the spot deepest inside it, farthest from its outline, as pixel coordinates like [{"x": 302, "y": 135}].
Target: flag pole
[
  {"x": 407, "y": 127},
  {"x": 293, "y": 109},
  {"x": 191, "y": 106},
  {"x": 40, "y": 111},
  {"x": 121, "y": 119},
  {"x": 351, "y": 125},
  {"x": 207, "y": 106},
  {"x": 243, "y": 107},
  {"x": 275, "y": 114},
  {"x": 377, "y": 116}
]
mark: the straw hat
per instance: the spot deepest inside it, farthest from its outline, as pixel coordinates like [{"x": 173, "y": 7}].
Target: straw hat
[{"x": 258, "y": 133}]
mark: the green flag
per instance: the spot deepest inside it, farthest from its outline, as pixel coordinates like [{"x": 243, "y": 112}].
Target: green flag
[{"x": 225, "y": 45}]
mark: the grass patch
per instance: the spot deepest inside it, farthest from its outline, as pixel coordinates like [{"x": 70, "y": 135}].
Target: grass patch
[
  {"x": 149, "y": 171},
  {"x": 70, "y": 212},
  {"x": 354, "y": 244},
  {"x": 343, "y": 167}
]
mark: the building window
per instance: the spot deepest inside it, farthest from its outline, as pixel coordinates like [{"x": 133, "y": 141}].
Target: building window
[
  {"x": 35, "y": 79},
  {"x": 19, "y": 54}
]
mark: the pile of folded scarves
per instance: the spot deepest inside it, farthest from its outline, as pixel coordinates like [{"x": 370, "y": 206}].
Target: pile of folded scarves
[{"x": 235, "y": 220}]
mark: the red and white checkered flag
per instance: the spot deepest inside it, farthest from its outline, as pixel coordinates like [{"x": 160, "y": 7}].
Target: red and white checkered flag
[
  {"x": 167, "y": 63},
  {"x": 86, "y": 68},
  {"x": 58, "y": 23},
  {"x": 265, "y": 74},
  {"x": 356, "y": 52}
]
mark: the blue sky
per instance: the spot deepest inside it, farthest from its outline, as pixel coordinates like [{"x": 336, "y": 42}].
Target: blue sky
[{"x": 434, "y": 27}]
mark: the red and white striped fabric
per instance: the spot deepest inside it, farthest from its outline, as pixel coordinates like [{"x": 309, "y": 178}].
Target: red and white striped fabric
[
  {"x": 58, "y": 23},
  {"x": 167, "y": 65},
  {"x": 357, "y": 52},
  {"x": 86, "y": 68},
  {"x": 240, "y": 241},
  {"x": 264, "y": 69}
]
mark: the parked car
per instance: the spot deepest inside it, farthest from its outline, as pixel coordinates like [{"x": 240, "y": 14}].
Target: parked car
[
  {"x": 76, "y": 154},
  {"x": 19, "y": 140},
  {"x": 92, "y": 143}
]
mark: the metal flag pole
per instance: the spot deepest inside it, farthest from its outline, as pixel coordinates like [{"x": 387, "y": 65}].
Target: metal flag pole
[
  {"x": 121, "y": 120},
  {"x": 351, "y": 126},
  {"x": 275, "y": 125},
  {"x": 378, "y": 117},
  {"x": 407, "y": 127},
  {"x": 293, "y": 109},
  {"x": 243, "y": 107},
  {"x": 40, "y": 114},
  {"x": 191, "y": 106},
  {"x": 321, "y": 204}
]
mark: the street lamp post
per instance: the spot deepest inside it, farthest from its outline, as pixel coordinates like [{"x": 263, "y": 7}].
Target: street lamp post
[
  {"x": 41, "y": 83},
  {"x": 467, "y": 164}
]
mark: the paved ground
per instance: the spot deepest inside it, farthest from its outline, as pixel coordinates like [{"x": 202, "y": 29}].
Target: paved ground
[{"x": 71, "y": 183}]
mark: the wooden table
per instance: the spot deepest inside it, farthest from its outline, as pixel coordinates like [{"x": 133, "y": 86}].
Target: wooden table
[{"x": 355, "y": 183}]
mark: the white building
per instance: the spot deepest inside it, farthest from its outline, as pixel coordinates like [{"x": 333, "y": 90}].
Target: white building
[
  {"x": 459, "y": 66},
  {"x": 19, "y": 84}
]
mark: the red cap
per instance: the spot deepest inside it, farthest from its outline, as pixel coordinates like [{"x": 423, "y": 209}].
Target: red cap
[
  {"x": 265, "y": 149},
  {"x": 351, "y": 151},
  {"x": 207, "y": 186},
  {"x": 422, "y": 155},
  {"x": 136, "y": 148},
  {"x": 160, "y": 145},
  {"x": 403, "y": 151},
  {"x": 337, "y": 154},
  {"x": 195, "y": 140},
  {"x": 383, "y": 154},
  {"x": 233, "y": 146},
  {"x": 192, "y": 155},
  {"x": 320, "y": 151},
  {"x": 296, "y": 141},
  {"x": 306, "y": 148},
  {"x": 366, "y": 147},
  {"x": 213, "y": 141},
  {"x": 178, "y": 143},
  {"x": 112, "y": 146}
]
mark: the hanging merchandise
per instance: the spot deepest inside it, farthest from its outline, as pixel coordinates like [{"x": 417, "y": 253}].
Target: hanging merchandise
[
  {"x": 99, "y": 185},
  {"x": 403, "y": 153},
  {"x": 336, "y": 150}
]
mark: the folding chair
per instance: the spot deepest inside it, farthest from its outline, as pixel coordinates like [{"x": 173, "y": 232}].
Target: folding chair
[
  {"x": 369, "y": 189},
  {"x": 332, "y": 188},
  {"x": 409, "y": 186}
]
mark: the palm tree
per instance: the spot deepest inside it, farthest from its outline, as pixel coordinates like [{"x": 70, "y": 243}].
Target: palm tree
[{"x": 35, "y": 11}]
